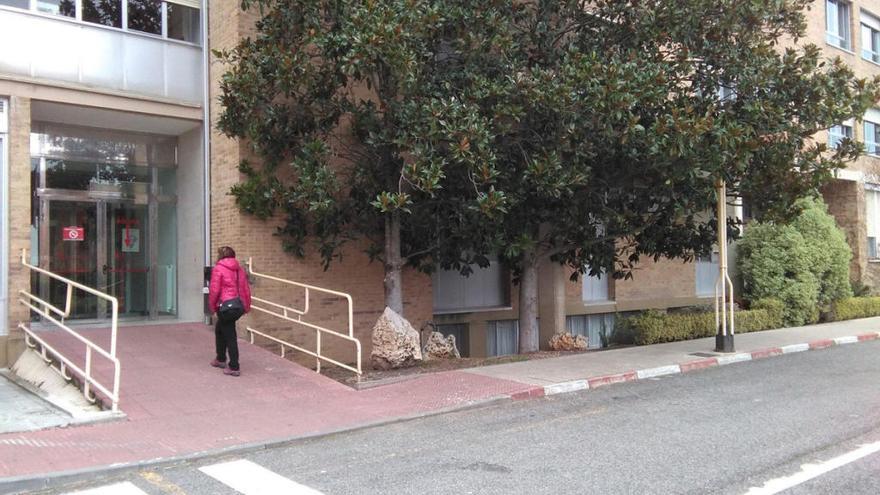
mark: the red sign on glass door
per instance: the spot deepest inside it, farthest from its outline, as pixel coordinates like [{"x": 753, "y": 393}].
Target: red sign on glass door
[{"x": 73, "y": 234}]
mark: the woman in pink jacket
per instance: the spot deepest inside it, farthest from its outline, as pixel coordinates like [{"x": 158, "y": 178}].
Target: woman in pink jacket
[{"x": 228, "y": 282}]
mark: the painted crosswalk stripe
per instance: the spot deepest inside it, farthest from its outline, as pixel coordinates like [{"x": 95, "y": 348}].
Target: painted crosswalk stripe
[
  {"x": 125, "y": 488},
  {"x": 252, "y": 479}
]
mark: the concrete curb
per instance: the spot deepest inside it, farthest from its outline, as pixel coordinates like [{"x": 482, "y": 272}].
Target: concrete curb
[{"x": 588, "y": 383}]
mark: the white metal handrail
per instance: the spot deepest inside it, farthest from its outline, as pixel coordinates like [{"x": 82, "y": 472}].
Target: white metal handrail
[
  {"x": 284, "y": 312},
  {"x": 47, "y": 309}
]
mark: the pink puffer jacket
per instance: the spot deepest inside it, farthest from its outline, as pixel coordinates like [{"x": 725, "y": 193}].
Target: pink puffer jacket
[{"x": 223, "y": 288}]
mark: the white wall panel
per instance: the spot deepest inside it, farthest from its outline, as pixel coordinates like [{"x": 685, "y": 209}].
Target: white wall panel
[{"x": 45, "y": 47}]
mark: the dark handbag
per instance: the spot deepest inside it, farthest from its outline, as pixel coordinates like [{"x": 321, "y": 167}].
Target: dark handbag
[{"x": 231, "y": 309}]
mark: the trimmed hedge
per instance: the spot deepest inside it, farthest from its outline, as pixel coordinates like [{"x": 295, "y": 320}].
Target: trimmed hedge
[
  {"x": 653, "y": 327},
  {"x": 856, "y": 307}
]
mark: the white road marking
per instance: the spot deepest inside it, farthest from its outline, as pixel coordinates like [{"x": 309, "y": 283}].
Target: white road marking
[
  {"x": 846, "y": 340},
  {"x": 125, "y": 488},
  {"x": 252, "y": 479},
  {"x": 810, "y": 471}
]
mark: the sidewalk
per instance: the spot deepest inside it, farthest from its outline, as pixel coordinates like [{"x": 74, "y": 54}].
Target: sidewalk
[{"x": 178, "y": 407}]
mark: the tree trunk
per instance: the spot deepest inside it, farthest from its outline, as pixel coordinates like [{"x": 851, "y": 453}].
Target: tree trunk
[
  {"x": 528, "y": 303},
  {"x": 393, "y": 263}
]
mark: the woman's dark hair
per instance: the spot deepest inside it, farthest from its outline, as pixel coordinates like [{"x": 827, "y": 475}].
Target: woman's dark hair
[{"x": 225, "y": 252}]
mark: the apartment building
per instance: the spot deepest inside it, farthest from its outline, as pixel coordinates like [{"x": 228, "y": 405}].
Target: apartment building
[
  {"x": 851, "y": 31},
  {"x": 112, "y": 174},
  {"x": 102, "y": 156}
]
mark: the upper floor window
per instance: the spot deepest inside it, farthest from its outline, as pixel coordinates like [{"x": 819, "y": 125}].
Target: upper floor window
[
  {"x": 872, "y": 218},
  {"x": 102, "y": 12},
  {"x": 872, "y": 132},
  {"x": 172, "y": 19},
  {"x": 837, "y": 22},
  {"x": 66, "y": 8},
  {"x": 838, "y": 133},
  {"x": 595, "y": 288},
  {"x": 870, "y": 38},
  {"x": 21, "y": 4}
]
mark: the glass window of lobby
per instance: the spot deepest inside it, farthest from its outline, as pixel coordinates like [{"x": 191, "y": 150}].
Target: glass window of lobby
[
  {"x": 104, "y": 214},
  {"x": 172, "y": 19}
]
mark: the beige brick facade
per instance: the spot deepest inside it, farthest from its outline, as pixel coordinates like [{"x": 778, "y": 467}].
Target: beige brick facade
[
  {"x": 19, "y": 218},
  {"x": 251, "y": 237}
]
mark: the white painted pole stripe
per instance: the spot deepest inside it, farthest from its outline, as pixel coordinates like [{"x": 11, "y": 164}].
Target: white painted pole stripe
[
  {"x": 252, "y": 479},
  {"x": 736, "y": 358},
  {"x": 125, "y": 488},
  {"x": 565, "y": 387},
  {"x": 660, "y": 371},
  {"x": 788, "y": 349},
  {"x": 846, "y": 340},
  {"x": 810, "y": 471}
]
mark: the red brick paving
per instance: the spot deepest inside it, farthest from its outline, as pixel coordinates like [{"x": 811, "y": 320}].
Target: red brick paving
[{"x": 176, "y": 404}]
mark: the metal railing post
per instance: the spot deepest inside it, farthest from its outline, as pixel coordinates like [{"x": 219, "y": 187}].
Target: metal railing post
[{"x": 280, "y": 311}]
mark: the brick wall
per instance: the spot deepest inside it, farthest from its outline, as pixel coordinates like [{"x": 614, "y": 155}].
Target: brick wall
[
  {"x": 846, "y": 203},
  {"x": 251, "y": 237},
  {"x": 19, "y": 219}
]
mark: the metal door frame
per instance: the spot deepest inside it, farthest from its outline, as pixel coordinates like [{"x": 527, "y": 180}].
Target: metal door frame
[{"x": 47, "y": 195}]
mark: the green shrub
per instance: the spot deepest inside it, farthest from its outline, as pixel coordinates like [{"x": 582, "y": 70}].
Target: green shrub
[
  {"x": 829, "y": 254},
  {"x": 856, "y": 307},
  {"x": 804, "y": 264},
  {"x": 653, "y": 327}
]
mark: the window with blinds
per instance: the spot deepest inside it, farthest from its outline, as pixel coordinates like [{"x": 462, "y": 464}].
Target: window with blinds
[
  {"x": 837, "y": 22},
  {"x": 502, "y": 337},
  {"x": 872, "y": 214},
  {"x": 872, "y": 132},
  {"x": 870, "y": 37}
]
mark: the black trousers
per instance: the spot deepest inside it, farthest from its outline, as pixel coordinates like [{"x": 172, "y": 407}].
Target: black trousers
[{"x": 226, "y": 340}]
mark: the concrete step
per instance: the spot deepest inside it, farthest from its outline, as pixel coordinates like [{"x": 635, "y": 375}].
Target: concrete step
[{"x": 31, "y": 372}]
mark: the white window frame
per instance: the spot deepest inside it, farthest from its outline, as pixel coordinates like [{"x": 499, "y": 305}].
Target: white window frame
[
  {"x": 872, "y": 143},
  {"x": 870, "y": 32},
  {"x": 872, "y": 219},
  {"x": 837, "y": 133},
  {"x": 4, "y": 216},
  {"x": 195, "y": 4},
  {"x": 838, "y": 17},
  {"x": 595, "y": 289}
]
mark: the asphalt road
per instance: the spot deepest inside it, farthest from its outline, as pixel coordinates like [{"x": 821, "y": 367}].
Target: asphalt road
[{"x": 723, "y": 430}]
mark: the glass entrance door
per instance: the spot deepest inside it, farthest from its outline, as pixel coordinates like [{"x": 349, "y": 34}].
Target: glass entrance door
[
  {"x": 106, "y": 217},
  {"x": 104, "y": 245},
  {"x": 126, "y": 268},
  {"x": 72, "y": 251}
]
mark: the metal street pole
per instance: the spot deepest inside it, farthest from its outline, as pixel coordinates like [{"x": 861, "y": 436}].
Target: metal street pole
[{"x": 724, "y": 320}]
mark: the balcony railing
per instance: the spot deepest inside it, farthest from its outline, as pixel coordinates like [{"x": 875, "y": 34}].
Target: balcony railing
[{"x": 45, "y": 47}]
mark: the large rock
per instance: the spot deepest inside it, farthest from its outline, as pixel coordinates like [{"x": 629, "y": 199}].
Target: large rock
[
  {"x": 440, "y": 347},
  {"x": 568, "y": 342},
  {"x": 395, "y": 342}
]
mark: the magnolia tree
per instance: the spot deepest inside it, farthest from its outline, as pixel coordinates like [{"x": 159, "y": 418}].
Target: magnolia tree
[{"x": 588, "y": 133}]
